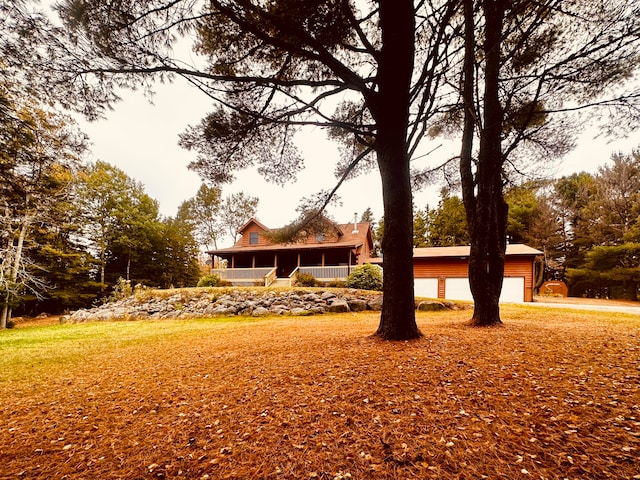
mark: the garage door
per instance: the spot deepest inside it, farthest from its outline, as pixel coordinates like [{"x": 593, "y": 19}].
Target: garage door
[
  {"x": 458, "y": 289},
  {"x": 426, "y": 287},
  {"x": 512, "y": 290}
]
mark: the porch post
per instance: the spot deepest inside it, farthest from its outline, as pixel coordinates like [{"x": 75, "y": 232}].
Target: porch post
[
  {"x": 233, "y": 261},
  {"x": 298, "y": 259},
  {"x": 323, "y": 259},
  {"x": 349, "y": 262},
  {"x": 275, "y": 259},
  {"x": 253, "y": 261}
]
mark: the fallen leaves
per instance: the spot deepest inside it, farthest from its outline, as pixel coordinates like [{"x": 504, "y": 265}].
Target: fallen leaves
[{"x": 317, "y": 398}]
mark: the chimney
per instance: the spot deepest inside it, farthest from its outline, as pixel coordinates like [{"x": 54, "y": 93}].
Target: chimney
[{"x": 355, "y": 223}]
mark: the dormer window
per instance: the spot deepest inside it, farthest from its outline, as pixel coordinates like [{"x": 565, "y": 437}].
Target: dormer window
[{"x": 253, "y": 238}]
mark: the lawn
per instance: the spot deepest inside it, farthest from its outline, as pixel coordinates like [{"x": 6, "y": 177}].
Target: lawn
[{"x": 551, "y": 394}]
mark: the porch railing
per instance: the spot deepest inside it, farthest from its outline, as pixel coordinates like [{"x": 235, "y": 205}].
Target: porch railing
[
  {"x": 243, "y": 274},
  {"x": 327, "y": 273},
  {"x": 293, "y": 276},
  {"x": 270, "y": 277}
]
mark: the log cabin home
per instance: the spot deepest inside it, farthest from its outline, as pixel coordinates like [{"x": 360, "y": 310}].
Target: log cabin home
[
  {"x": 439, "y": 272},
  {"x": 330, "y": 256}
]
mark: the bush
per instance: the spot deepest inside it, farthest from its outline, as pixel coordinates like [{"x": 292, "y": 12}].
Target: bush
[
  {"x": 365, "y": 277},
  {"x": 121, "y": 290},
  {"x": 306, "y": 280},
  {"x": 209, "y": 281}
]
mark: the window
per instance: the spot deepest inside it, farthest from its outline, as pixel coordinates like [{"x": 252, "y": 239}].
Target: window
[
  {"x": 253, "y": 238},
  {"x": 319, "y": 237}
]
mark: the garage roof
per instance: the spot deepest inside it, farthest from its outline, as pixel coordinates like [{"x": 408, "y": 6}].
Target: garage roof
[{"x": 463, "y": 251}]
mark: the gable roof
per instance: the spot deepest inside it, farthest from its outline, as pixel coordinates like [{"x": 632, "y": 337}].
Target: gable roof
[
  {"x": 252, "y": 221},
  {"x": 347, "y": 237}
]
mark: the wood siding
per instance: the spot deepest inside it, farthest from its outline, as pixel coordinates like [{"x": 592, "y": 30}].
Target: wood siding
[
  {"x": 442, "y": 268},
  {"x": 246, "y": 235}
]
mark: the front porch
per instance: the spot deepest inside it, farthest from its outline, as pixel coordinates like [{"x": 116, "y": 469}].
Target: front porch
[
  {"x": 283, "y": 265},
  {"x": 266, "y": 276}
]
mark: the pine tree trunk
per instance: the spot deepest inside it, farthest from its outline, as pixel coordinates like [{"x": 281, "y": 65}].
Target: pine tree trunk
[
  {"x": 390, "y": 109},
  {"x": 482, "y": 195}
]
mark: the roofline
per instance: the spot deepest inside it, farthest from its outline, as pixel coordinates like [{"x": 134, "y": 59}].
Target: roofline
[
  {"x": 295, "y": 246},
  {"x": 253, "y": 220}
]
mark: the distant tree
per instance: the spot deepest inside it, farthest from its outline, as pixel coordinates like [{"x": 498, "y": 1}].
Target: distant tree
[
  {"x": 119, "y": 222},
  {"x": 203, "y": 212},
  {"x": 367, "y": 217},
  {"x": 609, "y": 271},
  {"x": 214, "y": 218},
  {"x": 604, "y": 213},
  {"x": 235, "y": 211},
  {"x": 136, "y": 239},
  {"x": 614, "y": 207},
  {"x": 421, "y": 228},
  {"x": 177, "y": 262},
  {"x": 447, "y": 224}
]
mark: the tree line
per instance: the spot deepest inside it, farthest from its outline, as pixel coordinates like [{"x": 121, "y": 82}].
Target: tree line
[{"x": 69, "y": 230}]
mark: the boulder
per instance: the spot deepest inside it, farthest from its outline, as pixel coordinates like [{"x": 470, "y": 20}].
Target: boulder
[
  {"x": 375, "y": 303},
  {"x": 431, "y": 306},
  {"x": 338, "y": 306},
  {"x": 357, "y": 305}
]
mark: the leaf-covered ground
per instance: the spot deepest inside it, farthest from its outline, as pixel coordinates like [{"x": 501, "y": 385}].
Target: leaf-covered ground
[{"x": 549, "y": 395}]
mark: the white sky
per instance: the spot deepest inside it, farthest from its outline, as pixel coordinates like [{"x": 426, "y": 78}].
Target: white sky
[{"x": 142, "y": 140}]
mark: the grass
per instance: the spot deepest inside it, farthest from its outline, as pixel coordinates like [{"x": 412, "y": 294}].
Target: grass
[{"x": 551, "y": 394}]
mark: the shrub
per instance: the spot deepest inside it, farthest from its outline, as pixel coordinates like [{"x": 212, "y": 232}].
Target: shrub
[
  {"x": 306, "y": 280},
  {"x": 365, "y": 277},
  {"x": 121, "y": 290},
  {"x": 209, "y": 281}
]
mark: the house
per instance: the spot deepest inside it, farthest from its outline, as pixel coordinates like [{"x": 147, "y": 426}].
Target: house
[
  {"x": 330, "y": 256},
  {"x": 443, "y": 272}
]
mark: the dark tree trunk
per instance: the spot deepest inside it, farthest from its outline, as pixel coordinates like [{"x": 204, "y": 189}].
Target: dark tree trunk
[
  {"x": 482, "y": 195},
  {"x": 390, "y": 108}
]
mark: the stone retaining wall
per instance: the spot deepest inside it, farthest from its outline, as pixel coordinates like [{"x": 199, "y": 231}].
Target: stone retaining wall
[{"x": 193, "y": 303}]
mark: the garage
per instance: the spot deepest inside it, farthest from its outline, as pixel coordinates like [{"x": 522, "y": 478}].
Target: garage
[
  {"x": 426, "y": 287},
  {"x": 442, "y": 272},
  {"x": 512, "y": 289}
]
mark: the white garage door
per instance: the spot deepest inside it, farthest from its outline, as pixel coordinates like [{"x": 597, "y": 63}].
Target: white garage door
[
  {"x": 426, "y": 287},
  {"x": 458, "y": 289},
  {"x": 512, "y": 290}
]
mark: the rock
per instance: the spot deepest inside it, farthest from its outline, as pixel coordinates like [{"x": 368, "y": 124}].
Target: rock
[
  {"x": 357, "y": 305},
  {"x": 338, "y": 306},
  {"x": 430, "y": 306},
  {"x": 194, "y": 304},
  {"x": 375, "y": 303},
  {"x": 327, "y": 295}
]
